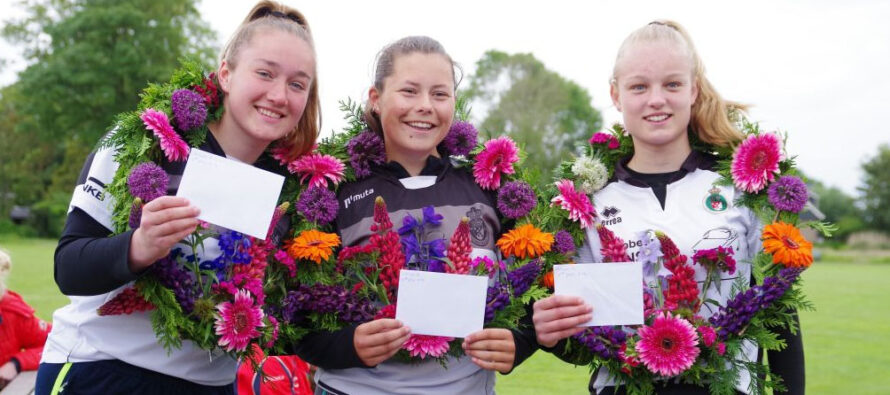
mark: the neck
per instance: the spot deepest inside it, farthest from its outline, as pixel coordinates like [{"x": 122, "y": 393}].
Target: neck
[
  {"x": 659, "y": 159},
  {"x": 413, "y": 164},
  {"x": 237, "y": 144}
]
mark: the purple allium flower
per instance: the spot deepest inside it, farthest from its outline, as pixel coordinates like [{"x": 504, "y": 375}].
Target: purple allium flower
[
  {"x": 564, "y": 244},
  {"x": 521, "y": 278},
  {"x": 189, "y": 109},
  {"x": 365, "y": 149},
  {"x": 604, "y": 341},
  {"x": 461, "y": 138},
  {"x": 148, "y": 181},
  {"x": 516, "y": 199},
  {"x": 318, "y": 205},
  {"x": 789, "y": 193},
  {"x": 135, "y": 214},
  {"x": 735, "y": 316}
]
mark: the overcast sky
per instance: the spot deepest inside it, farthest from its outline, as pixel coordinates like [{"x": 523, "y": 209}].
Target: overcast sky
[{"x": 819, "y": 70}]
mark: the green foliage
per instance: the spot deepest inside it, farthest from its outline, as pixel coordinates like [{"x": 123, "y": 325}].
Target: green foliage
[
  {"x": 875, "y": 190},
  {"x": 88, "y": 59},
  {"x": 544, "y": 112}
]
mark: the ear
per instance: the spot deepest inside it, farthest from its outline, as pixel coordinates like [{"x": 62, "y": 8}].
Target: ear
[
  {"x": 373, "y": 100},
  {"x": 224, "y": 75},
  {"x": 613, "y": 92},
  {"x": 695, "y": 88}
]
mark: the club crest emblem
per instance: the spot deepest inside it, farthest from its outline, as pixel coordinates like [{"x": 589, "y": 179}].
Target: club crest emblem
[{"x": 715, "y": 202}]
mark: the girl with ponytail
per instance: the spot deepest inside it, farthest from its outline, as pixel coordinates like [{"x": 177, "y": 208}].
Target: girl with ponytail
[
  {"x": 668, "y": 104},
  {"x": 269, "y": 95}
]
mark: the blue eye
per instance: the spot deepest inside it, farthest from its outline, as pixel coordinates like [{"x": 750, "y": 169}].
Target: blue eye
[
  {"x": 674, "y": 84},
  {"x": 264, "y": 74},
  {"x": 638, "y": 87}
]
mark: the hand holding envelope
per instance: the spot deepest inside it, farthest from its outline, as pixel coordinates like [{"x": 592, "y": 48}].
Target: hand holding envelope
[{"x": 230, "y": 194}]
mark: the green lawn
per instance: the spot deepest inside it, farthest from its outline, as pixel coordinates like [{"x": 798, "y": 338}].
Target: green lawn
[{"x": 846, "y": 339}]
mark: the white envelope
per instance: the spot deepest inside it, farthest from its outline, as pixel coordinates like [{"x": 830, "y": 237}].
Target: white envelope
[
  {"x": 614, "y": 289},
  {"x": 230, "y": 194},
  {"x": 441, "y": 304}
]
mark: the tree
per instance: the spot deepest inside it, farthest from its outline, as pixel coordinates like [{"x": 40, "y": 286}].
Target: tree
[
  {"x": 839, "y": 209},
  {"x": 876, "y": 190},
  {"x": 88, "y": 59},
  {"x": 546, "y": 113}
]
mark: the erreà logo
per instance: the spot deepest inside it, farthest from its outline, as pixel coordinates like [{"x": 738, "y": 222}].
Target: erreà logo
[
  {"x": 359, "y": 196},
  {"x": 610, "y": 215}
]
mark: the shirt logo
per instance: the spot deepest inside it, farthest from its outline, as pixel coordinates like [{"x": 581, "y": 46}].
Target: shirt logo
[
  {"x": 478, "y": 230},
  {"x": 715, "y": 202},
  {"x": 359, "y": 196},
  {"x": 610, "y": 215}
]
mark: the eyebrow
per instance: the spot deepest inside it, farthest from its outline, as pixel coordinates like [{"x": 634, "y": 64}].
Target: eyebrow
[
  {"x": 300, "y": 73},
  {"x": 409, "y": 82}
]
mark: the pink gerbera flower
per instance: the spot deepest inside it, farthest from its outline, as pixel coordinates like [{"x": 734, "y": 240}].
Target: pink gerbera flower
[
  {"x": 423, "y": 346},
  {"x": 497, "y": 157},
  {"x": 238, "y": 321},
  {"x": 173, "y": 146},
  {"x": 669, "y": 346},
  {"x": 756, "y": 162},
  {"x": 575, "y": 202},
  {"x": 319, "y": 169}
]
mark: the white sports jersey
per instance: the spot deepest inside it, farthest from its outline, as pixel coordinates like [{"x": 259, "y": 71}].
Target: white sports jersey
[
  {"x": 697, "y": 215},
  {"x": 79, "y": 334}
]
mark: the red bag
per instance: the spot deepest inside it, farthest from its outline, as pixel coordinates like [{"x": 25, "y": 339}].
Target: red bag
[{"x": 285, "y": 374}]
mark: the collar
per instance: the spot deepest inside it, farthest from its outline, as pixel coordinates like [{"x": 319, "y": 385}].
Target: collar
[
  {"x": 434, "y": 167},
  {"x": 696, "y": 160}
]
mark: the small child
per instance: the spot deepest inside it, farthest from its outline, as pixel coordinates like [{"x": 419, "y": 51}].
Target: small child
[{"x": 22, "y": 334}]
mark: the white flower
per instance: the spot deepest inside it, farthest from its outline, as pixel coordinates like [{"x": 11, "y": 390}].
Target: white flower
[{"x": 591, "y": 174}]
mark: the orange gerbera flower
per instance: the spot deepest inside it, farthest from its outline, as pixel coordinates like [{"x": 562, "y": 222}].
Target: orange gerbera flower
[
  {"x": 314, "y": 245},
  {"x": 547, "y": 279},
  {"x": 787, "y": 245},
  {"x": 525, "y": 241}
]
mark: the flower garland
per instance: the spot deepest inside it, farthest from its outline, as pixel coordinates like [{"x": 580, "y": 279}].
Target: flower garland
[
  {"x": 220, "y": 303},
  {"x": 675, "y": 341},
  {"x": 326, "y": 290}
]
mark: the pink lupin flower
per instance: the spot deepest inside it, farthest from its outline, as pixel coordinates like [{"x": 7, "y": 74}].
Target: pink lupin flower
[
  {"x": 497, "y": 157},
  {"x": 175, "y": 149},
  {"x": 319, "y": 169},
  {"x": 459, "y": 250},
  {"x": 575, "y": 202},
  {"x": 237, "y": 322}
]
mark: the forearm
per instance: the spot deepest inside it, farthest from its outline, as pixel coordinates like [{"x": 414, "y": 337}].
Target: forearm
[{"x": 87, "y": 260}]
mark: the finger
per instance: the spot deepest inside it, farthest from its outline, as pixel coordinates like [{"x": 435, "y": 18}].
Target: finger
[
  {"x": 170, "y": 214},
  {"x": 382, "y": 352},
  {"x": 562, "y": 324},
  {"x": 369, "y": 340},
  {"x": 491, "y": 345},
  {"x": 180, "y": 227},
  {"x": 492, "y": 365},
  {"x": 489, "y": 333},
  {"x": 380, "y": 325},
  {"x": 165, "y": 202},
  {"x": 554, "y": 337},
  {"x": 558, "y": 313},
  {"x": 555, "y": 301}
]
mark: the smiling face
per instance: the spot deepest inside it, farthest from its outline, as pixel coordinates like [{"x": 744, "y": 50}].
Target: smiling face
[
  {"x": 266, "y": 91},
  {"x": 415, "y": 106},
  {"x": 654, "y": 89}
]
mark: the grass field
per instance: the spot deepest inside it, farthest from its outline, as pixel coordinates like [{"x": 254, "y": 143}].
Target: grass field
[{"x": 846, "y": 339}]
